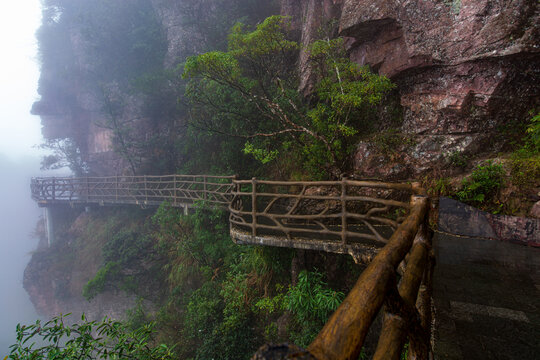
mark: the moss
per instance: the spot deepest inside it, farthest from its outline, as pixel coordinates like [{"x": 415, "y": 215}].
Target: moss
[
  {"x": 391, "y": 141},
  {"x": 455, "y": 5},
  {"x": 525, "y": 172}
]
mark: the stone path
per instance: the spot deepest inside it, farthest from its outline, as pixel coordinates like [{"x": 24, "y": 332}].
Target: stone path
[{"x": 487, "y": 299}]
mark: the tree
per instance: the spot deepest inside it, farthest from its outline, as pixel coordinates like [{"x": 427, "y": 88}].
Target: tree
[
  {"x": 250, "y": 92},
  {"x": 65, "y": 154},
  {"x": 106, "y": 339}
]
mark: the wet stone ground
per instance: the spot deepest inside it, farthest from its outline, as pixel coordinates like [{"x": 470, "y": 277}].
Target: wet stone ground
[{"x": 487, "y": 299}]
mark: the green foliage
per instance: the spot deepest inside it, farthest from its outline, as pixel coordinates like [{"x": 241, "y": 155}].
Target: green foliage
[
  {"x": 106, "y": 339},
  {"x": 262, "y": 155},
  {"x": 257, "y": 79},
  {"x": 439, "y": 187},
  {"x": 533, "y": 134},
  {"x": 405, "y": 352},
  {"x": 271, "y": 305},
  {"x": 482, "y": 185},
  {"x": 311, "y": 297},
  {"x": 312, "y": 302},
  {"x": 137, "y": 316},
  {"x": 126, "y": 39},
  {"x": 65, "y": 153},
  {"x": 525, "y": 162},
  {"x": 91, "y": 46},
  {"x": 105, "y": 275},
  {"x": 204, "y": 284},
  {"x": 130, "y": 262},
  {"x": 525, "y": 171},
  {"x": 121, "y": 40},
  {"x": 127, "y": 246},
  {"x": 214, "y": 285},
  {"x": 458, "y": 159},
  {"x": 210, "y": 20}
]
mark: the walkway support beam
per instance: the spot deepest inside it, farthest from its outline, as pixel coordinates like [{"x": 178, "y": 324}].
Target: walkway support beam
[{"x": 49, "y": 221}]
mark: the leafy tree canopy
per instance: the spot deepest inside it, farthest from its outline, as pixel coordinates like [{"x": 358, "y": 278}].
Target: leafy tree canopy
[{"x": 250, "y": 92}]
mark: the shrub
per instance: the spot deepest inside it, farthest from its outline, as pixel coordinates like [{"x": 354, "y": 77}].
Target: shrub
[
  {"x": 525, "y": 162},
  {"x": 458, "y": 159},
  {"x": 482, "y": 185},
  {"x": 106, "y": 275},
  {"x": 106, "y": 339},
  {"x": 312, "y": 302}
]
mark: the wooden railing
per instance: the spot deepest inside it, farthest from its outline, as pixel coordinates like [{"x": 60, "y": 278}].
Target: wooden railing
[
  {"x": 407, "y": 312},
  {"x": 178, "y": 190},
  {"x": 393, "y": 218},
  {"x": 393, "y": 215},
  {"x": 345, "y": 210}
]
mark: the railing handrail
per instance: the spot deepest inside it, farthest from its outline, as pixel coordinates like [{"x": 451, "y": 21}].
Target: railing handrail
[
  {"x": 413, "y": 187},
  {"x": 180, "y": 189}
]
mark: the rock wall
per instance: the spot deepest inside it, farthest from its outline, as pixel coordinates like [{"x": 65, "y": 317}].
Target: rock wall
[
  {"x": 56, "y": 275},
  {"x": 464, "y": 220},
  {"x": 464, "y": 70}
]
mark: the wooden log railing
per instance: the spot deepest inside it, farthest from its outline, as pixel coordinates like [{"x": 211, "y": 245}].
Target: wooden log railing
[
  {"x": 391, "y": 217},
  {"x": 349, "y": 211},
  {"x": 406, "y": 314},
  {"x": 178, "y": 190},
  {"x": 347, "y": 216}
]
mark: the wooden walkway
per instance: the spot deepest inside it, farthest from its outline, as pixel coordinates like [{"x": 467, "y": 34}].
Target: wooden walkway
[
  {"x": 383, "y": 224},
  {"x": 345, "y": 217},
  {"x": 178, "y": 190}
]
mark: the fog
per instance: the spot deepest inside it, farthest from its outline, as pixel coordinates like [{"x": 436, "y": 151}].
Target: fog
[
  {"x": 18, "y": 217},
  {"x": 19, "y": 160}
]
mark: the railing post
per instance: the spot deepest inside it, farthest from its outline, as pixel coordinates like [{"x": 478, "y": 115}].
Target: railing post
[
  {"x": 254, "y": 207},
  {"x": 87, "y": 189},
  {"x": 53, "y": 188},
  {"x": 343, "y": 210},
  {"x": 145, "y": 190},
  {"x": 204, "y": 188},
  {"x": 174, "y": 190},
  {"x": 116, "y": 188},
  {"x": 234, "y": 188}
]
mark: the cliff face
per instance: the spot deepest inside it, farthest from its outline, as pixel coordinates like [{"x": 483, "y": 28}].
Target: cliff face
[
  {"x": 109, "y": 81},
  {"x": 90, "y": 54},
  {"x": 465, "y": 70},
  {"x": 56, "y": 276}
]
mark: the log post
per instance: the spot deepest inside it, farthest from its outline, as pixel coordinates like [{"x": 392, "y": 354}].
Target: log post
[
  {"x": 343, "y": 210},
  {"x": 204, "y": 188},
  {"x": 174, "y": 190},
  {"x": 87, "y": 190},
  {"x": 254, "y": 207},
  {"x": 145, "y": 190},
  {"x": 395, "y": 324},
  {"x": 53, "y": 188}
]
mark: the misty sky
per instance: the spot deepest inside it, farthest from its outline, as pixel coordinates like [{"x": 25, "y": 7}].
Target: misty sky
[
  {"x": 19, "y": 73},
  {"x": 20, "y": 132}
]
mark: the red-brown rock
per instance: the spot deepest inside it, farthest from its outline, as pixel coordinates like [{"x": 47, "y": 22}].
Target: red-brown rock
[{"x": 464, "y": 69}]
